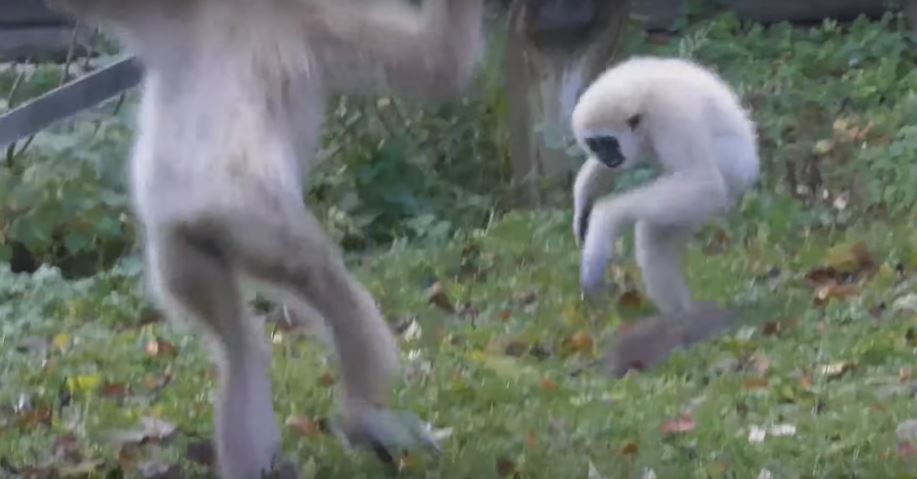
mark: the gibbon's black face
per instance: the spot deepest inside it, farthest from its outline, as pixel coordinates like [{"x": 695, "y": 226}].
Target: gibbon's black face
[{"x": 606, "y": 149}]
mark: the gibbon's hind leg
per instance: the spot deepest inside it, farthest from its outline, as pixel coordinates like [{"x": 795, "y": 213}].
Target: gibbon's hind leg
[
  {"x": 192, "y": 277},
  {"x": 294, "y": 255},
  {"x": 658, "y": 253}
]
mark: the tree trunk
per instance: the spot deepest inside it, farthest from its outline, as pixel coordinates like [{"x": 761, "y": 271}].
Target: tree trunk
[
  {"x": 910, "y": 9},
  {"x": 546, "y": 71}
]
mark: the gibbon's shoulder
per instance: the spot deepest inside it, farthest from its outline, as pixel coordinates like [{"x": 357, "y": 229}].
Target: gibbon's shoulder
[{"x": 647, "y": 84}]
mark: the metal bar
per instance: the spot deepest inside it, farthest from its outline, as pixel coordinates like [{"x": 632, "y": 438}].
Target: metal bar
[{"x": 71, "y": 98}]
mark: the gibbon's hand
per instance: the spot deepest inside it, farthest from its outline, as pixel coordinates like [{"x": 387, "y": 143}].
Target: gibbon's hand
[
  {"x": 581, "y": 223},
  {"x": 388, "y": 433},
  {"x": 598, "y": 251}
]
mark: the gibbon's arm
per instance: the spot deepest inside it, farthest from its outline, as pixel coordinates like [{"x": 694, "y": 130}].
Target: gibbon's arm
[
  {"x": 429, "y": 54},
  {"x": 690, "y": 193},
  {"x": 594, "y": 178}
]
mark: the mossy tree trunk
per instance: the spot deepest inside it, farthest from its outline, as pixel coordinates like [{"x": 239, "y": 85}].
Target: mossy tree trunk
[{"x": 555, "y": 49}]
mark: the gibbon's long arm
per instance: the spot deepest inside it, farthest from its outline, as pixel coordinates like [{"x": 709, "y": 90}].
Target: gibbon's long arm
[
  {"x": 594, "y": 178},
  {"x": 428, "y": 54}
]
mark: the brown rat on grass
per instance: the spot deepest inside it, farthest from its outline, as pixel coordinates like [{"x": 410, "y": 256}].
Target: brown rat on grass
[{"x": 651, "y": 341}]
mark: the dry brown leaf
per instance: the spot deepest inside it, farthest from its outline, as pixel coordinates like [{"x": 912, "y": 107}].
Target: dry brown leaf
[
  {"x": 755, "y": 383},
  {"x": 581, "y": 343},
  {"x": 837, "y": 369},
  {"x": 436, "y": 295},
  {"x": 548, "y": 385},
  {"x": 114, "y": 390},
  {"x": 326, "y": 380},
  {"x": 161, "y": 348},
  {"x": 505, "y": 467},
  {"x": 630, "y": 449},
  {"x": 531, "y": 440},
  {"x": 630, "y": 300},
  {"x": 305, "y": 426},
  {"x": 680, "y": 425}
]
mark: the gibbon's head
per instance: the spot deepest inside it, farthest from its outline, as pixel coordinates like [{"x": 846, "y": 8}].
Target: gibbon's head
[
  {"x": 613, "y": 117},
  {"x": 608, "y": 118}
]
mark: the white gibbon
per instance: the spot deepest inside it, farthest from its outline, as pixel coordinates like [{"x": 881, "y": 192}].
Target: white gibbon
[
  {"x": 688, "y": 121},
  {"x": 232, "y": 100}
]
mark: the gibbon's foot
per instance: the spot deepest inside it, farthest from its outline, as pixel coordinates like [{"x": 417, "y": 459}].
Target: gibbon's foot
[
  {"x": 388, "y": 433},
  {"x": 281, "y": 469}
]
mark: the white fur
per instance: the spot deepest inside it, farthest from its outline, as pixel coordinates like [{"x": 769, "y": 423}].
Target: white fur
[{"x": 693, "y": 126}]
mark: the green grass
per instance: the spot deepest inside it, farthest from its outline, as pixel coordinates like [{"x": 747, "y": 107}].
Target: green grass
[{"x": 504, "y": 379}]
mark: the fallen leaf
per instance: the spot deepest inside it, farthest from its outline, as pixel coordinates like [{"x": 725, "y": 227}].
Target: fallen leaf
[
  {"x": 114, "y": 390},
  {"x": 161, "y": 348},
  {"x": 821, "y": 276},
  {"x": 755, "y": 383},
  {"x": 305, "y": 426},
  {"x": 630, "y": 300},
  {"x": 35, "y": 417},
  {"x": 326, "y": 379},
  {"x": 836, "y": 370},
  {"x": 772, "y": 328},
  {"x": 681, "y": 425},
  {"x": 581, "y": 343},
  {"x": 630, "y": 449},
  {"x": 505, "y": 467},
  {"x": 756, "y": 434},
  {"x": 531, "y": 440},
  {"x": 436, "y": 295},
  {"x": 548, "y": 385}
]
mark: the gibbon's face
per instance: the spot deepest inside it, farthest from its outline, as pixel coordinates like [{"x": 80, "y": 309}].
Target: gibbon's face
[{"x": 615, "y": 147}]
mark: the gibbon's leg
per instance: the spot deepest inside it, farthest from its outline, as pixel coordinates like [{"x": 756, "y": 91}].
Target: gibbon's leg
[
  {"x": 658, "y": 253},
  {"x": 679, "y": 199},
  {"x": 290, "y": 251},
  {"x": 192, "y": 277}
]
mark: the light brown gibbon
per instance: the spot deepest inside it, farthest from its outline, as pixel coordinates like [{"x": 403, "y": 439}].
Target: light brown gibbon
[{"x": 232, "y": 100}]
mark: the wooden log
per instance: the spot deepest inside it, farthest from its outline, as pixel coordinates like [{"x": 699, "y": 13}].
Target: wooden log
[{"x": 771, "y": 11}]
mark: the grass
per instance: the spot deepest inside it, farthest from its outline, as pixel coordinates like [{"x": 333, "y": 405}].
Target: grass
[
  {"x": 823, "y": 362},
  {"x": 500, "y": 373}
]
